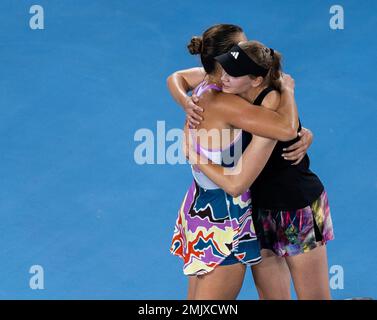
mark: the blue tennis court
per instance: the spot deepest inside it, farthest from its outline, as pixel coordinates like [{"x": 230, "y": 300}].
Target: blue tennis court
[{"x": 74, "y": 201}]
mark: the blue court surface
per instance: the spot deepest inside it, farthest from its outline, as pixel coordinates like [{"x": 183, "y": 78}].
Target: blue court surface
[{"x": 74, "y": 202}]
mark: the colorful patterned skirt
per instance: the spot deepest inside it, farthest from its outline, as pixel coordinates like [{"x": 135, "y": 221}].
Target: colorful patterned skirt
[
  {"x": 288, "y": 233},
  {"x": 212, "y": 226}
]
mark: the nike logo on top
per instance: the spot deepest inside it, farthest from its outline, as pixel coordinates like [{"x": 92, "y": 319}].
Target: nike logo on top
[{"x": 235, "y": 54}]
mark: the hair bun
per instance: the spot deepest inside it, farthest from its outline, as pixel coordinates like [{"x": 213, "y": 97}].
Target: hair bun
[{"x": 195, "y": 45}]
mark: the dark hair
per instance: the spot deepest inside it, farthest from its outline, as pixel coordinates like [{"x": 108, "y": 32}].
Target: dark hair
[
  {"x": 216, "y": 40},
  {"x": 267, "y": 58}
]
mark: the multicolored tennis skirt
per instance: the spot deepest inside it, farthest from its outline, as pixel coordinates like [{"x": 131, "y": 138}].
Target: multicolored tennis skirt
[
  {"x": 288, "y": 233},
  {"x": 211, "y": 226}
]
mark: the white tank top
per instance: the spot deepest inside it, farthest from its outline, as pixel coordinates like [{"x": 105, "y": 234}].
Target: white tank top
[{"x": 215, "y": 155}]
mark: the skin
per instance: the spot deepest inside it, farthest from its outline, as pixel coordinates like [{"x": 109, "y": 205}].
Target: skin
[
  {"x": 279, "y": 124},
  {"x": 309, "y": 271},
  {"x": 255, "y": 119},
  {"x": 225, "y": 282},
  {"x": 256, "y": 155},
  {"x": 217, "y": 284},
  {"x": 272, "y": 277},
  {"x": 181, "y": 82}
]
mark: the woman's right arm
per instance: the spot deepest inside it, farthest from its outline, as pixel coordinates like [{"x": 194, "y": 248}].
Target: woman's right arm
[
  {"x": 179, "y": 84},
  {"x": 278, "y": 125},
  {"x": 238, "y": 179}
]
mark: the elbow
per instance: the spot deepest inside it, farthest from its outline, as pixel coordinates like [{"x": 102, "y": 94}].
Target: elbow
[
  {"x": 169, "y": 80},
  {"x": 237, "y": 185},
  {"x": 236, "y": 190},
  {"x": 235, "y": 194},
  {"x": 290, "y": 133}
]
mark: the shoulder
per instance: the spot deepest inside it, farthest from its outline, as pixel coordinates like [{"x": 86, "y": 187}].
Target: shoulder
[
  {"x": 272, "y": 100},
  {"x": 223, "y": 99},
  {"x": 229, "y": 106}
]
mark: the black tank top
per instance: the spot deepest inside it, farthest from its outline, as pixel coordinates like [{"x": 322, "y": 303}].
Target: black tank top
[{"x": 281, "y": 185}]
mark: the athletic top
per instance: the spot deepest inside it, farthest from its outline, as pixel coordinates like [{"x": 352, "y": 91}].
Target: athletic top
[
  {"x": 226, "y": 157},
  {"x": 281, "y": 185}
]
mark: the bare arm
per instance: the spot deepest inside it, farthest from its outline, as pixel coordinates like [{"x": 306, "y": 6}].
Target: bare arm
[
  {"x": 182, "y": 82},
  {"x": 237, "y": 180},
  {"x": 280, "y": 124},
  {"x": 259, "y": 120}
]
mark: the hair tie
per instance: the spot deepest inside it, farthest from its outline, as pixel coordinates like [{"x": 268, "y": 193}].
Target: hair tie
[{"x": 272, "y": 52}]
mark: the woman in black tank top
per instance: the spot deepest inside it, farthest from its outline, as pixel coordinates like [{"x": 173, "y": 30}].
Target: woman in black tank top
[{"x": 290, "y": 207}]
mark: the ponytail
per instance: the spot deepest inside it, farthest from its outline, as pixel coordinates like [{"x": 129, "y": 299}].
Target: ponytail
[{"x": 195, "y": 46}]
